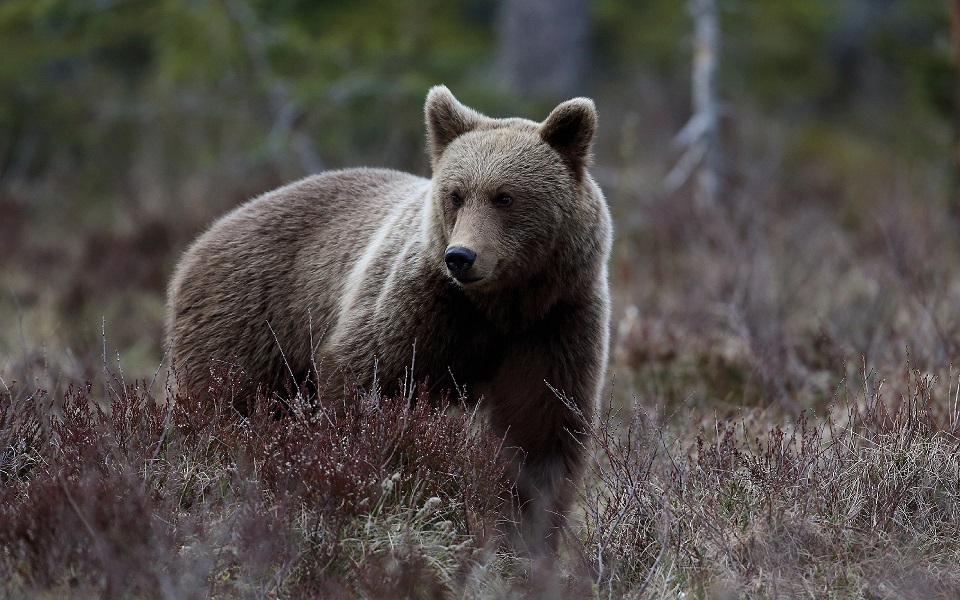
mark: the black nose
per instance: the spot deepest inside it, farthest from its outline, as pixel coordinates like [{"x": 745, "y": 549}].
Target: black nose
[{"x": 459, "y": 260}]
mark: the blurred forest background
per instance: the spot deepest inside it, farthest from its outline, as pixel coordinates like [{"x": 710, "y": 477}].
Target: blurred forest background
[
  {"x": 782, "y": 418},
  {"x": 126, "y": 126}
]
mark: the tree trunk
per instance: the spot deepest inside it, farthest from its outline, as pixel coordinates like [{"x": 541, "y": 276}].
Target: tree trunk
[
  {"x": 955, "y": 38},
  {"x": 706, "y": 104},
  {"x": 543, "y": 46}
]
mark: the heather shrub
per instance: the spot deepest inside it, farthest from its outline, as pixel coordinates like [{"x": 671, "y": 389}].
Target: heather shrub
[
  {"x": 126, "y": 494},
  {"x": 860, "y": 504}
]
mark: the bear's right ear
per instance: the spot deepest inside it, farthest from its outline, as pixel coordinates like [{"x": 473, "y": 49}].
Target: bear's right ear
[{"x": 447, "y": 120}]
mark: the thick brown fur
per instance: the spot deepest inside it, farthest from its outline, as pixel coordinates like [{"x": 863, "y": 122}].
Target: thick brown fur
[{"x": 346, "y": 270}]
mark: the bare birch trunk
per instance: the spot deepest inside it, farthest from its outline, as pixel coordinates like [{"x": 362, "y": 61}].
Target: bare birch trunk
[
  {"x": 700, "y": 138},
  {"x": 543, "y": 46},
  {"x": 955, "y": 38},
  {"x": 706, "y": 104}
]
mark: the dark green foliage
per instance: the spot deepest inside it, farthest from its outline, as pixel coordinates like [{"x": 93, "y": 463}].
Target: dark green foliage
[{"x": 85, "y": 84}]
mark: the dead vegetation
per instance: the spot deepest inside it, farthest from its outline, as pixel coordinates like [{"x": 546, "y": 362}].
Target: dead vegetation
[
  {"x": 119, "y": 493},
  {"x": 128, "y": 495}
]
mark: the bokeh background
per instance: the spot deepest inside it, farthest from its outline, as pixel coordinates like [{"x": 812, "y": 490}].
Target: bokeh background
[
  {"x": 126, "y": 126},
  {"x": 782, "y": 414}
]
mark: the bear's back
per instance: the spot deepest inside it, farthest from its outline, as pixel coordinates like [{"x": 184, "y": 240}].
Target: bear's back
[{"x": 232, "y": 288}]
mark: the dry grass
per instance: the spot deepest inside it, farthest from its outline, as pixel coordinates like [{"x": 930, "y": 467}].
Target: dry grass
[
  {"x": 137, "y": 497},
  {"x": 862, "y": 504},
  {"x": 128, "y": 496}
]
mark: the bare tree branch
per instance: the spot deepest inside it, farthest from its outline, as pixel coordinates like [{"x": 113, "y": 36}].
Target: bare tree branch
[{"x": 701, "y": 135}]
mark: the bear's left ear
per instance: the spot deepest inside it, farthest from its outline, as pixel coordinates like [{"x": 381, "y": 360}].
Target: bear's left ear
[
  {"x": 569, "y": 130},
  {"x": 447, "y": 120}
]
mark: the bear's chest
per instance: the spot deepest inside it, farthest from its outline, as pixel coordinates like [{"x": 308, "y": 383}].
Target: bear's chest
[{"x": 444, "y": 340}]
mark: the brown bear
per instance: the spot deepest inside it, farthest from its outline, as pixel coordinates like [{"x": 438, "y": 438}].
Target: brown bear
[{"x": 491, "y": 276}]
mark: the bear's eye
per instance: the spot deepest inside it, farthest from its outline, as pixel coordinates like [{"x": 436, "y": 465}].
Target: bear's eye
[
  {"x": 456, "y": 200},
  {"x": 504, "y": 200}
]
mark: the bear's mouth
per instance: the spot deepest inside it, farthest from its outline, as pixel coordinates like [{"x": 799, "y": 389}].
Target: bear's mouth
[{"x": 467, "y": 280}]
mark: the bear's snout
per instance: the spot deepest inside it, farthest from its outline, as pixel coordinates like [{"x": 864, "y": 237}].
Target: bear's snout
[{"x": 459, "y": 259}]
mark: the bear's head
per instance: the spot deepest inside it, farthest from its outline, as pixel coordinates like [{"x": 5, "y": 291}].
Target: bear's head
[{"x": 503, "y": 188}]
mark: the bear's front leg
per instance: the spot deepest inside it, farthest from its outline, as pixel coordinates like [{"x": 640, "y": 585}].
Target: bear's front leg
[{"x": 542, "y": 401}]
